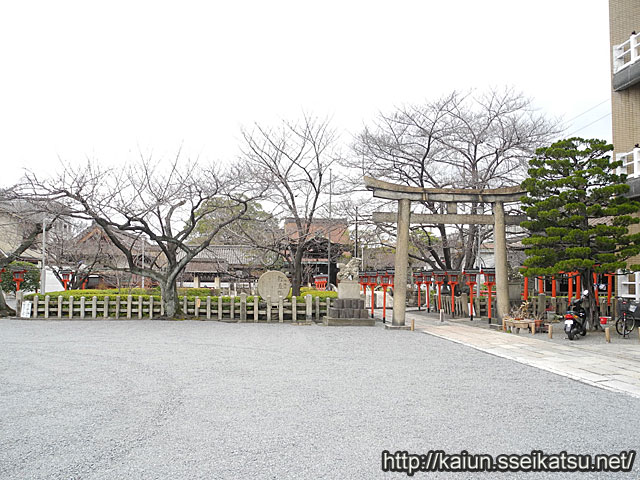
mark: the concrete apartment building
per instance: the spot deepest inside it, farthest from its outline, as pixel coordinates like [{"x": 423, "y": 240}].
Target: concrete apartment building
[{"x": 624, "y": 37}]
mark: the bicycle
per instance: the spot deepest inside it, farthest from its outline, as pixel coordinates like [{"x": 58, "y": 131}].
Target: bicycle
[{"x": 626, "y": 322}]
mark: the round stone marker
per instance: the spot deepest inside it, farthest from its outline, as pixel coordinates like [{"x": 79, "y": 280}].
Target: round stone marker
[{"x": 273, "y": 284}]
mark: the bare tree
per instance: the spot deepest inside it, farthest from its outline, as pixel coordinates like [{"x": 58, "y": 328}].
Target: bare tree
[
  {"x": 463, "y": 141},
  {"x": 149, "y": 202},
  {"x": 21, "y": 219},
  {"x": 291, "y": 162}
]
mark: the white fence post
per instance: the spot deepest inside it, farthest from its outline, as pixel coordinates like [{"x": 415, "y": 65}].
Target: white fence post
[
  {"x": 243, "y": 307},
  {"x": 256, "y": 308},
  {"x": 294, "y": 308},
  {"x": 309, "y": 309},
  {"x": 269, "y": 308}
]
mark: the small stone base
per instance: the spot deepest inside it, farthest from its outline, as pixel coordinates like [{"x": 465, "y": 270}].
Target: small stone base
[
  {"x": 397, "y": 327},
  {"x": 348, "y": 322}
]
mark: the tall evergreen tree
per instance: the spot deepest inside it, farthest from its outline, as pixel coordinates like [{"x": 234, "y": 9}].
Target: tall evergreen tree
[{"x": 579, "y": 213}]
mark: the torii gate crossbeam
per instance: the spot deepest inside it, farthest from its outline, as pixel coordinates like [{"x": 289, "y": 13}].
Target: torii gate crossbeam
[{"x": 405, "y": 194}]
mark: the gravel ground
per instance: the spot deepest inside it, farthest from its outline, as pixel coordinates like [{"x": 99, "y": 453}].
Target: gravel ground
[{"x": 151, "y": 399}]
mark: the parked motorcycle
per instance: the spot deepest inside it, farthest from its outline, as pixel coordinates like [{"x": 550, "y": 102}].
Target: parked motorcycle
[{"x": 575, "y": 320}]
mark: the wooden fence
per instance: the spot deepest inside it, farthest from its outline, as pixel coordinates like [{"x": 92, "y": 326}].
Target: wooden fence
[{"x": 205, "y": 308}]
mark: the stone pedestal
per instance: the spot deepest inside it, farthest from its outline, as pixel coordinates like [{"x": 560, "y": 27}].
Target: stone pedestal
[{"x": 348, "y": 309}]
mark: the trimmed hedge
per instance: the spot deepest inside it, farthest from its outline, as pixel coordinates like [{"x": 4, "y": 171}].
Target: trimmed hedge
[{"x": 192, "y": 293}]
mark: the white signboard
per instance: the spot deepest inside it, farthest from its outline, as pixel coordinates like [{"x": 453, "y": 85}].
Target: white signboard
[{"x": 26, "y": 310}]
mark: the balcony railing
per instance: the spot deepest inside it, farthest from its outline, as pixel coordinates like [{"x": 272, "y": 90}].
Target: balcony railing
[
  {"x": 630, "y": 163},
  {"x": 626, "y": 53}
]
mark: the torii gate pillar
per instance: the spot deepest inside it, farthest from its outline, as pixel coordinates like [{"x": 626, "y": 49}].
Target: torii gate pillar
[
  {"x": 500, "y": 255},
  {"x": 402, "y": 261}
]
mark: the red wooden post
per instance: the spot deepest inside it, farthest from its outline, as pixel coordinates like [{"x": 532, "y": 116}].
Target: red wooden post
[
  {"x": 609, "y": 286},
  {"x": 453, "y": 281},
  {"x": 490, "y": 281},
  {"x": 440, "y": 277},
  {"x": 427, "y": 281},
  {"x": 540, "y": 285},
  {"x": 578, "y": 290},
  {"x": 570, "y": 293},
  {"x": 471, "y": 283},
  {"x": 386, "y": 280},
  {"x": 553, "y": 286},
  {"x": 362, "y": 280},
  {"x": 372, "y": 281},
  {"x": 525, "y": 295},
  {"x": 418, "y": 277}
]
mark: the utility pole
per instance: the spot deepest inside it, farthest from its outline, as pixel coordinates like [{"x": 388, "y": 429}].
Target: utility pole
[
  {"x": 143, "y": 242},
  {"x": 355, "y": 254},
  {"x": 329, "y": 234},
  {"x": 43, "y": 272}
]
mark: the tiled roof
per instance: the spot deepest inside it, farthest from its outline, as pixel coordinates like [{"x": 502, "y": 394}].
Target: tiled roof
[{"x": 222, "y": 258}]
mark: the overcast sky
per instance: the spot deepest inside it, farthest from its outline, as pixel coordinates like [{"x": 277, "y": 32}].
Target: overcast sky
[{"x": 107, "y": 80}]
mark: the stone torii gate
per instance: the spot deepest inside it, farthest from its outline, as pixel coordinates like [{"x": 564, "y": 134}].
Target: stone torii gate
[{"x": 451, "y": 197}]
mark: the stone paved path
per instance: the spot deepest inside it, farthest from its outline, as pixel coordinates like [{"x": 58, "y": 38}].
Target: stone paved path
[{"x": 612, "y": 368}]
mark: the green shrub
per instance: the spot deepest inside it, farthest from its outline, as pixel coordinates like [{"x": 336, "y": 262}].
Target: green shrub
[
  {"x": 31, "y": 278},
  {"x": 322, "y": 294},
  {"x": 192, "y": 293}
]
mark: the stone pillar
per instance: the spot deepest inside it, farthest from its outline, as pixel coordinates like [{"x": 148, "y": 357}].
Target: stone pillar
[
  {"x": 401, "y": 263},
  {"x": 500, "y": 255}
]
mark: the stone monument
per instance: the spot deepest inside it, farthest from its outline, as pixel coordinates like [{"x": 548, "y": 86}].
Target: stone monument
[
  {"x": 273, "y": 284},
  {"x": 348, "y": 309}
]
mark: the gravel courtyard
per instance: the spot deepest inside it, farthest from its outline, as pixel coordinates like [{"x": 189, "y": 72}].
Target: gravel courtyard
[{"x": 153, "y": 399}]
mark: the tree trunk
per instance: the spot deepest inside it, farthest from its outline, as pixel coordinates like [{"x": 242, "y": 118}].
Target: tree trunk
[
  {"x": 297, "y": 272},
  {"x": 5, "y": 310},
  {"x": 169, "y": 291},
  {"x": 446, "y": 250}
]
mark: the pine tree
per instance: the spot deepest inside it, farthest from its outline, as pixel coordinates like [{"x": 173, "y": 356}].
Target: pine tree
[{"x": 579, "y": 213}]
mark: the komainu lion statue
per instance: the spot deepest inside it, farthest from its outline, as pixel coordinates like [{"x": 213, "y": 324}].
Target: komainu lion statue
[{"x": 349, "y": 271}]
